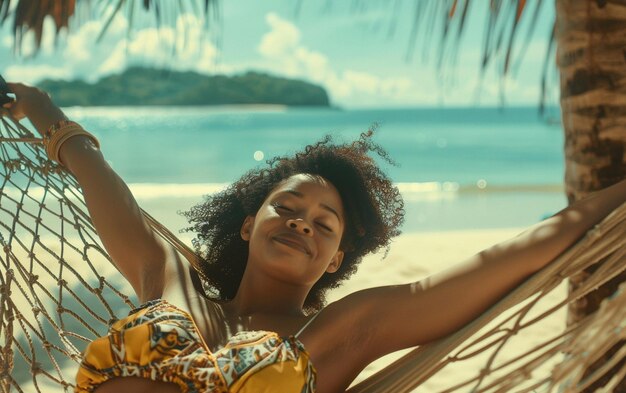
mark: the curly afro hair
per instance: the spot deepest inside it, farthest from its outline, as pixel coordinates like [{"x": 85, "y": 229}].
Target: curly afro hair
[{"x": 373, "y": 207}]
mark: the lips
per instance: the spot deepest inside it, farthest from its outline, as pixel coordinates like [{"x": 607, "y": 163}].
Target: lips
[{"x": 293, "y": 241}]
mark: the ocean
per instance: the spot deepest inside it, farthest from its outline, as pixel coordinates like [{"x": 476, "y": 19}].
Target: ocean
[{"x": 457, "y": 168}]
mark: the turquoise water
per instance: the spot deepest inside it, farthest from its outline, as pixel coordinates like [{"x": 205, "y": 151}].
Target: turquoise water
[
  {"x": 515, "y": 156},
  {"x": 200, "y": 145}
]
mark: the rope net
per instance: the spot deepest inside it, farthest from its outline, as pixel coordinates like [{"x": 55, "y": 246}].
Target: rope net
[{"x": 59, "y": 291}]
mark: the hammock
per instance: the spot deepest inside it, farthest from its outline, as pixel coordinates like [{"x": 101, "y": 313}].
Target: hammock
[{"x": 59, "y": 291}]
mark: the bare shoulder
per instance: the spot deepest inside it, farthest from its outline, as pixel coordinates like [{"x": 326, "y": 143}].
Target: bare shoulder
[
  {"x": 340, "y": 323},
  {"x": 370, "y": 323},
  {"x": 342, "y": 340}
]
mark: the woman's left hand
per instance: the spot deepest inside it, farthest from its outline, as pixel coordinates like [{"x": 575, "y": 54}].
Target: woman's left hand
[{"x": 35, "y": 104}]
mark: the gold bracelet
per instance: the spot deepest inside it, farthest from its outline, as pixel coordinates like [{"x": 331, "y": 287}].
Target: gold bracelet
[
  {"x": 54, "y": 147},
  {"x": 59, "y": 133}
]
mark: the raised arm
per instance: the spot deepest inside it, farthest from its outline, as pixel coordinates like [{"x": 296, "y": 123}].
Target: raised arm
[
  {"x": 395, "y": 317},
  {"x": 135, "y": 249}
]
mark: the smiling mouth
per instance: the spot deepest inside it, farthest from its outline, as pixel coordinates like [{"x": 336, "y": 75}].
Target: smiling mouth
[{"x": 292, "y": 244}]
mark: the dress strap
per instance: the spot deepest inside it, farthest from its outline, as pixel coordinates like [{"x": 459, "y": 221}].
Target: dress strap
[{"x": 307, "y": 324}]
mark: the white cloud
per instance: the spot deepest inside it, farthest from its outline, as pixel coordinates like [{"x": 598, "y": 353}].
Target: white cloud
[
  {"x": 315, "y": 64},
  {"x": 115, "y": 62},
  {"x": 367, "y": 83},
  {"x": 32, "y": 73},
  {"x": 283, "y": 38},
  {"x": 47, "y": 41},
  {"x": 183, "y": 48},
  {"x": 286, "y": 55}
]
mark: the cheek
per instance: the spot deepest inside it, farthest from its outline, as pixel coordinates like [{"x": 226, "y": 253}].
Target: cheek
[
  {"x": 329, "y": 246},
  {"x": 265, "y": 220}
]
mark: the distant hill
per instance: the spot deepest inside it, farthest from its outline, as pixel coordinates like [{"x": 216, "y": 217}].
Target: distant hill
[{"x": 147, "y": 86}]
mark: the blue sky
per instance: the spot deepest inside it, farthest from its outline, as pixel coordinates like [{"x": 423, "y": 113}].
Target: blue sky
[{"x": 360, "y": 57}]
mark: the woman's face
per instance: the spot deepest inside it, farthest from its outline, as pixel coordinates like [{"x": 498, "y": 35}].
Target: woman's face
[{"x": 296, "y": 233}]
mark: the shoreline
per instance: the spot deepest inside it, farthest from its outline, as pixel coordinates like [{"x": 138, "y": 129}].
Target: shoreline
[
  {"x": 410, "y": 191},
  {"x": 427, "y": 209},
  {"x": 429, "y": 206}
]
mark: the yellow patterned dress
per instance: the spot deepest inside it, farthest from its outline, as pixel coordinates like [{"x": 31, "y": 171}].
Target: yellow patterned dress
[{"x": 161, "y": 342}]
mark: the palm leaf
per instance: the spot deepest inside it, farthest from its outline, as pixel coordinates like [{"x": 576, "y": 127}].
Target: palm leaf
[
  {"x": 502, "y": 28},
  {"x": 115, "y": 11},
  {"x": 28, "y": 16}
]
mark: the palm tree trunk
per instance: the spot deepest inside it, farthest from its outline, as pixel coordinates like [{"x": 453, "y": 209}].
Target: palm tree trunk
[{"x": 591, "y": 56}]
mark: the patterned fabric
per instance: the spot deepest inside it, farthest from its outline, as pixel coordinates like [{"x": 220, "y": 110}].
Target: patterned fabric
[{"x": 161, "y": 342}]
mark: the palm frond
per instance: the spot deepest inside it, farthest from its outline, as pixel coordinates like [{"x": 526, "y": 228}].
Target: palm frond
[
  {"x": 546, "y": 69},
  {"x": 502, "y": 28},
  {"x": 28, "y": 16},
  {"x": 114, "y": 12},
  {"x": 529, "y": 33}
]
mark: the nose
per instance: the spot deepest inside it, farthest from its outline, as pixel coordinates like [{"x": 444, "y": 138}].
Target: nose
[{"x": 300, "y": 226}]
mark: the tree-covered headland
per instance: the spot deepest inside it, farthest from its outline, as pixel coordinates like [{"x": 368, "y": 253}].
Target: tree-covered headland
[{"x": 147, "y": 86}]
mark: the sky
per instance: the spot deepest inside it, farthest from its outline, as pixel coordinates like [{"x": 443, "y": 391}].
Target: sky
[{"x": 361, "y": 55}]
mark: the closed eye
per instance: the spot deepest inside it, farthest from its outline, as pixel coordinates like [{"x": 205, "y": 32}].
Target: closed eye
[
  {"x": 325, "y": 227},
  {"x": 278, "y": 206}
]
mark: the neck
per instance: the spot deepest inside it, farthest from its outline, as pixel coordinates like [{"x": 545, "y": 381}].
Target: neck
[{"x": 259, "y": 293}]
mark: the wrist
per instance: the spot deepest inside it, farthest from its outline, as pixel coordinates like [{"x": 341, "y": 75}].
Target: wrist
[{"x": 45, "y": 115}]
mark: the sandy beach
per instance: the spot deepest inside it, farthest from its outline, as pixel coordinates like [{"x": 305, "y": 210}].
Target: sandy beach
[{"x": 414, "y": 256}]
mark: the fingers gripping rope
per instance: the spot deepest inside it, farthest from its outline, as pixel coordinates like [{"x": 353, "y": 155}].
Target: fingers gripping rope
[
  {"x": 6, "y": 114},
  {"x": 4, "y": 92}
]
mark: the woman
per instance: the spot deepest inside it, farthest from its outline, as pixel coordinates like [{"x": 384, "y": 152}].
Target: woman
[{"x": 271, "y": 245}]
